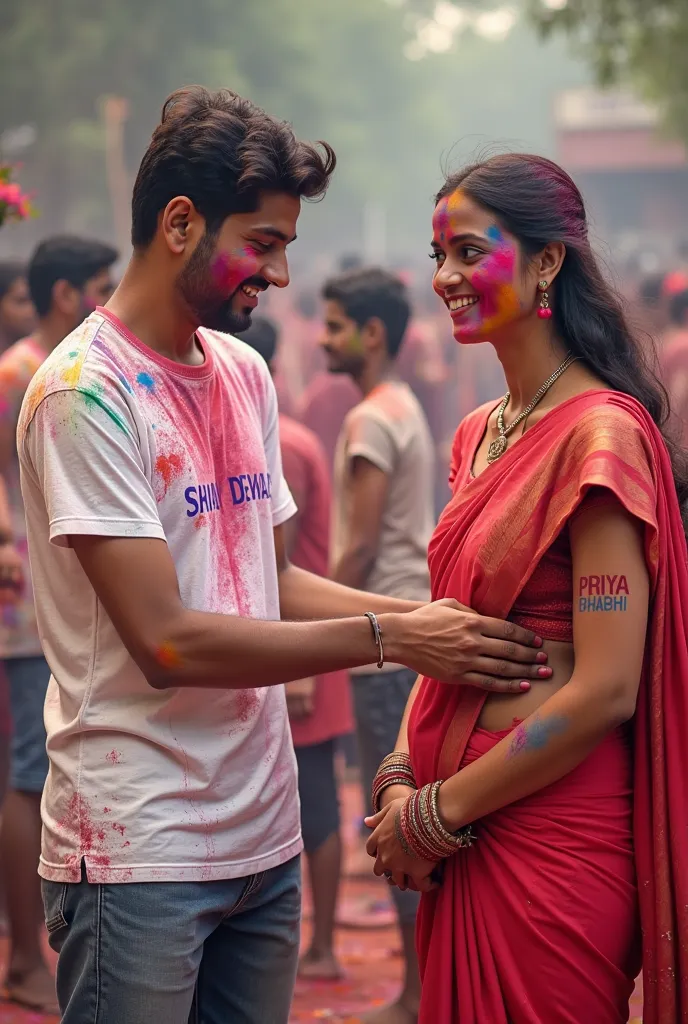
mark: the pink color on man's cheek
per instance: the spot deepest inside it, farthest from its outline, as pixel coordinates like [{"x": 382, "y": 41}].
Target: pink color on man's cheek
[{"x": 233, "y": 268}]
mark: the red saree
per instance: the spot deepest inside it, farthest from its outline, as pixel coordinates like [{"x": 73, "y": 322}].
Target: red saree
[{"x": 505, "y": 939}]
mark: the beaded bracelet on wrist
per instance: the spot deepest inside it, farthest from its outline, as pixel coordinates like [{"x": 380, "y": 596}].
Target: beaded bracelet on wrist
[
  {"x": 419, "y": 827},
  {"x": 395, "y": 770}
]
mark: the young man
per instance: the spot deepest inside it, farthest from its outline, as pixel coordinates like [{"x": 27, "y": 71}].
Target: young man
[
  {"x": 320, "y": 707},
  {"x": 155, "y": 506},
  {"x": 384, "y": 496},
  {"x": 67, "y": 277},
  {"x": 17, "y": 313}
]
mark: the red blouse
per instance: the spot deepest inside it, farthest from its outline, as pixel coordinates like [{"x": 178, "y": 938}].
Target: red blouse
[{"x": 545, "y": 604}]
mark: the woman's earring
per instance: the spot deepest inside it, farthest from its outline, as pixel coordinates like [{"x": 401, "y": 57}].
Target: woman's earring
[{"x": 544, "y": 312}]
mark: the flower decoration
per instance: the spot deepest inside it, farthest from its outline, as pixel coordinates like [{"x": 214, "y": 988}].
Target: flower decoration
[{"x": 14, "y": 204}]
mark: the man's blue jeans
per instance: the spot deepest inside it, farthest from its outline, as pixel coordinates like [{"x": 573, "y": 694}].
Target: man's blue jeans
[{"x": 177, "y": 952}]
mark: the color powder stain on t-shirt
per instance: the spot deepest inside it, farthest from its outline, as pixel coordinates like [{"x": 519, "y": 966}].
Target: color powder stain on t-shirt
[
  {"x": 169, "y": 467},
  {"x": 200, "y": 522},
  {"x": 36, "y": 396},
  {"x": 124, "y": 382},
  {"x": 113, "y": 757},
  {"x": 78, "y": 820},
  {"x": 146, "y": 381},
  {"x": 246, "y": 704},
  {"x": 93, "y": 395},
  {"x": 71, "y": 374}
]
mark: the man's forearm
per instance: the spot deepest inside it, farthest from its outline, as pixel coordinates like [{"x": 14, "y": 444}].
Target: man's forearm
[
  {"x": 306, "y": 596},
  {"x": 229, "y": 652}
]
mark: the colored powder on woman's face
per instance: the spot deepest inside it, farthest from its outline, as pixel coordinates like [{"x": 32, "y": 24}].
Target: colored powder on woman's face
[
  {"x": 493, "y": 281},
  {"x": 442, "y": 226}
]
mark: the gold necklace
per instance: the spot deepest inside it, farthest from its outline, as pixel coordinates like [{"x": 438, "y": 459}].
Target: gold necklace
[{"x": 500, "y": 444}]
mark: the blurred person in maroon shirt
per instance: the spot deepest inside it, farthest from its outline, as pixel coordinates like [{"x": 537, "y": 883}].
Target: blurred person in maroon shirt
[
  {"x": 324, "y": 406},
  {"x": 319, "y": 708}
]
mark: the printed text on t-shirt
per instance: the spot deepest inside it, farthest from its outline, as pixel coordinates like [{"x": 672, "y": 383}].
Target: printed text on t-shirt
[{"x": 242, "y": 488}]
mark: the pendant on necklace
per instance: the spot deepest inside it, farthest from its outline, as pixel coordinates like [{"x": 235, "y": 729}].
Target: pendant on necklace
[{"x": 497, "y": 448}]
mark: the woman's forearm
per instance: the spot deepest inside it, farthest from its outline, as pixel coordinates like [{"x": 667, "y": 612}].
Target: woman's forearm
[
  {"x": 402, "y": 739},
  {"x": 402, "y": 744},
  {"x": 545, "y": 747}
]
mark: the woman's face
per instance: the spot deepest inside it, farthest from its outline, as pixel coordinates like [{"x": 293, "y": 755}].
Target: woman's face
[{"x": 480, "y": 275}]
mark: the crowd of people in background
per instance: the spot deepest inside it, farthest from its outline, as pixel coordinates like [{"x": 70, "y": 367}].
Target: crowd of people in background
[{"x": 370, "y": 391}]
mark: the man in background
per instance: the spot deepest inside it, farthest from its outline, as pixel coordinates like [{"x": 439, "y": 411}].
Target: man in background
[
  {"x": 17, "y": 313},
  {"x": 383, "y": 519},
  {"x": 323, "y": 408},
  {"x": 67, "y": 278},
  {"x": 319, "y": 707}
]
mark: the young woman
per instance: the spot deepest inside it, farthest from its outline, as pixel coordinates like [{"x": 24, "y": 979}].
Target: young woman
[{"x": 565, "y": 518}]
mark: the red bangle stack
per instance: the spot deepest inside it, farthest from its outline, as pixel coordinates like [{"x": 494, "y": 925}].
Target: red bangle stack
[
  {"x": 420, "y": 830},
  {"x": 395, "y": 770}
]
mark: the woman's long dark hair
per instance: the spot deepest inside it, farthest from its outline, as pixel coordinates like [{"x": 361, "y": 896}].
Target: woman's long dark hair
[{"x": 537, "y": 202}]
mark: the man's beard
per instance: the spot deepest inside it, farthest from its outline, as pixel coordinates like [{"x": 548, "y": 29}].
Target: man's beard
[
  {"x": 343, "y": 364},
  {"x": 198, "y": 290}
]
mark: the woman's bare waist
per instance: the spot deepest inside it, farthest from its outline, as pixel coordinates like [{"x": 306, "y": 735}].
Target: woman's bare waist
[{"x": 500, "y": 709}]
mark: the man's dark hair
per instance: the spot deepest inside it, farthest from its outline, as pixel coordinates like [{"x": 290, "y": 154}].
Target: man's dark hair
[
  {"x": 10, "y": 271},
  {"x": 678, "y": 308},
  {"x": 371, "y": 292},
  {"x": 65, "y": 258},
  {"x": 262, "y": 337},
  {"x": 221, "y": 151}
]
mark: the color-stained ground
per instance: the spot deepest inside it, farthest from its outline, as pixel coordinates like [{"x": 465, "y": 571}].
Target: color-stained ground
[{"x": 370, "y": 958}]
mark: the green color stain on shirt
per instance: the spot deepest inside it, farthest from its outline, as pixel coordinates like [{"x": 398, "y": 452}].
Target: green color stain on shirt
[{"x": 93, "y": 395}]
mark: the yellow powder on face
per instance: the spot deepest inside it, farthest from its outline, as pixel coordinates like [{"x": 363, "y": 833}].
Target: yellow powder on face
[{"x": 168, "y": 656}]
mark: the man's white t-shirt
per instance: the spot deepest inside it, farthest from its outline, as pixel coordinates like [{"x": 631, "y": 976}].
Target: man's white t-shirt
[{"x": 117, "y": 441}]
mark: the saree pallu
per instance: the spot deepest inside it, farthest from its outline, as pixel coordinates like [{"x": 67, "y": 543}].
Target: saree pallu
[{"x": 512, "y": 930}]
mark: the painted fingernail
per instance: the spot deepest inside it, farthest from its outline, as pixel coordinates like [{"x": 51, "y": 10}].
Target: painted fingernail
[
  {"x": 541, "y": 657},
  {"x": 544, "y": 672},
  {"x": 524, "y": 686},
  {"x": 538, "y": 641}
]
